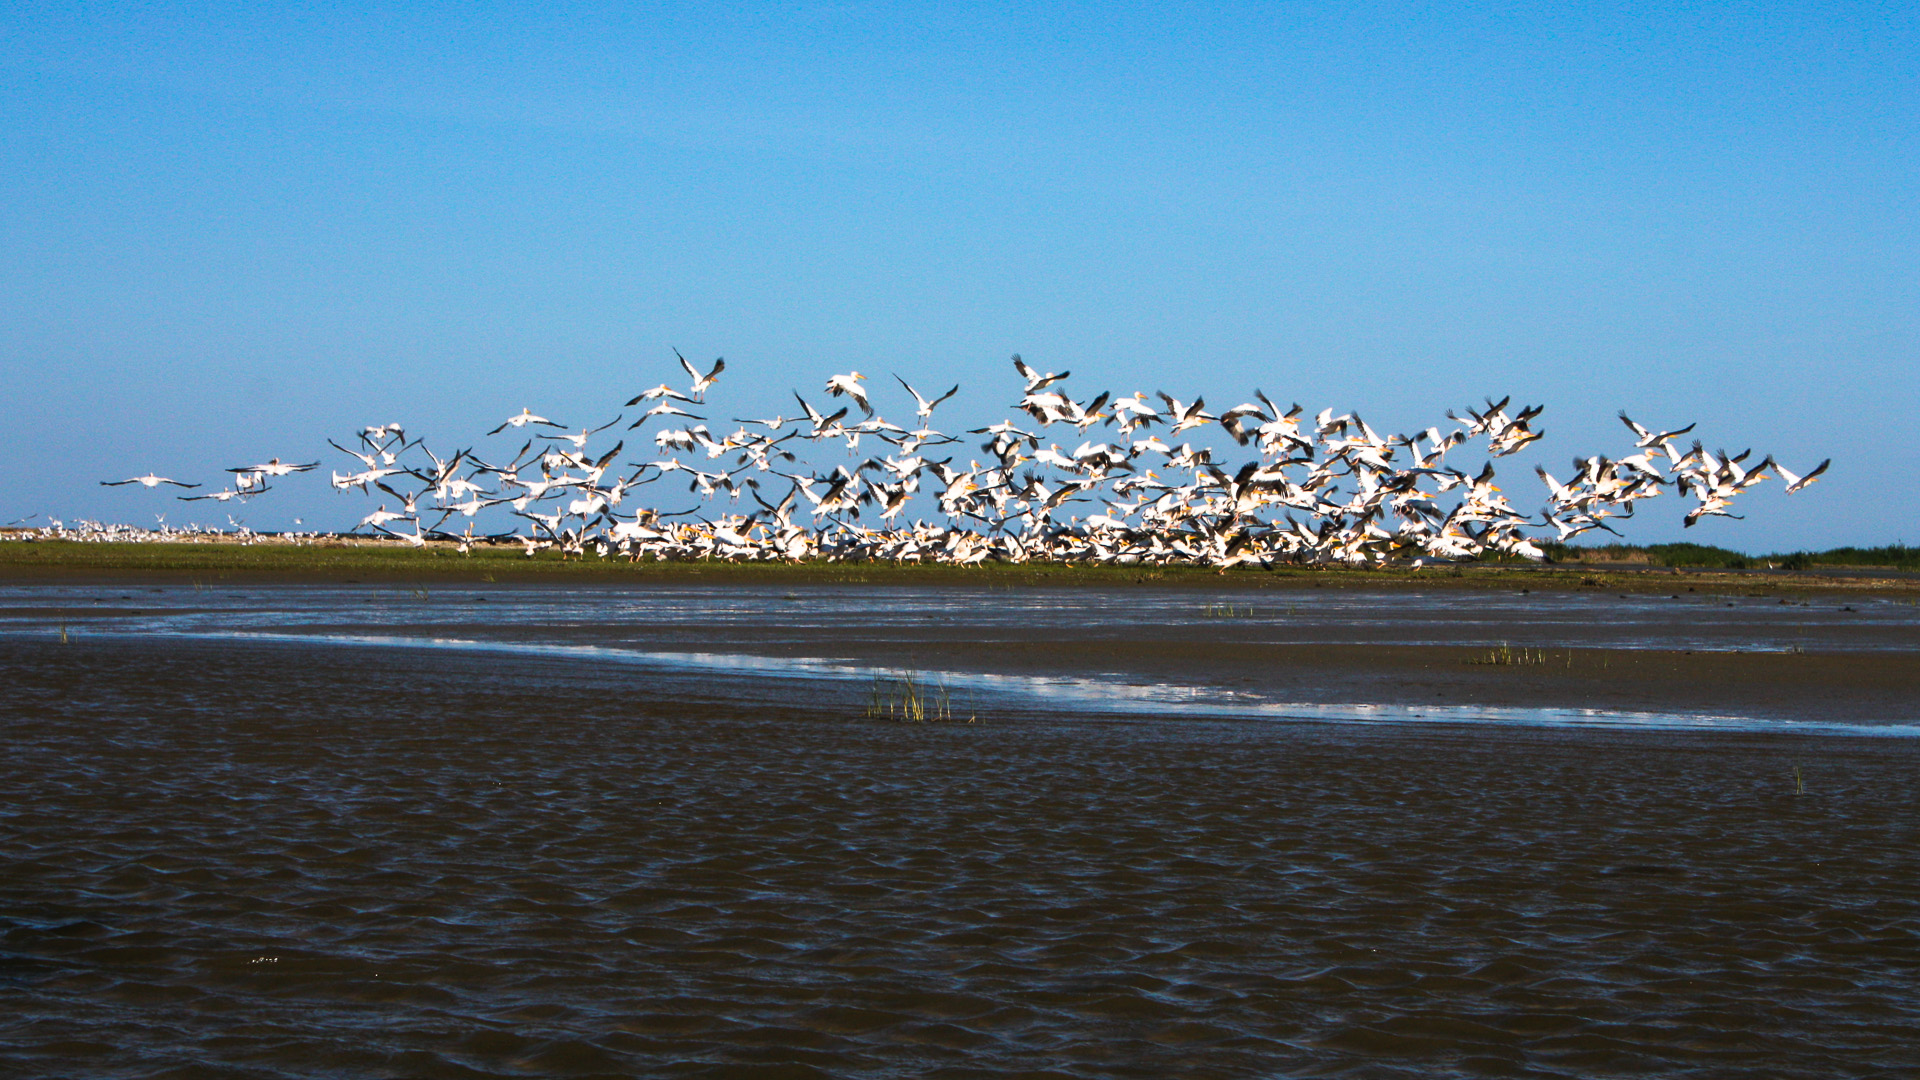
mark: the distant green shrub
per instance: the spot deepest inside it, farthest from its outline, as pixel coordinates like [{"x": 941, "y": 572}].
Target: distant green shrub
[
  {"x": 1899, "y": 556},
  {"x": 1703, "y": 556},
  {"x": 1697, "y": 555}
]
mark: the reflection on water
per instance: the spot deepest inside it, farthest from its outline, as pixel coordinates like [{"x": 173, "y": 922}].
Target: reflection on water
[{"x": 233, "y": 858}]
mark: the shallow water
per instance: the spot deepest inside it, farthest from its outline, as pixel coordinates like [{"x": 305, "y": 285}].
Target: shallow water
[
  {"x": 855, "y": 688},
  {"x": 229, "y": 858},
  {"x": 813, "y": 635},
  {"x": 701, "y": 617}
]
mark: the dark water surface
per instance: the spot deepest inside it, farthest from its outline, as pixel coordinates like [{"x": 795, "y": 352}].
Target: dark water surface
[{"x": 231, "y": 858}]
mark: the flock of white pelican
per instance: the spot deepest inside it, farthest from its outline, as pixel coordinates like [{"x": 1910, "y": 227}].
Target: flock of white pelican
[{"x": 1325, "y": 489}]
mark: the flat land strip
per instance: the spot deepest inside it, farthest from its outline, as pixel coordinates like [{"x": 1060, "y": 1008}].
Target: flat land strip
[{"x": 349, "y": 560}]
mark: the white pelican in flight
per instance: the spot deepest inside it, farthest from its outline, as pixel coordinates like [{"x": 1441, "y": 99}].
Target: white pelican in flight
[{"x": 149, "y": 480}]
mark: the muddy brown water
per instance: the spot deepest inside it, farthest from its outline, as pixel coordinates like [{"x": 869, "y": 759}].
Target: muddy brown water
[{"x": 228, "y": 858}]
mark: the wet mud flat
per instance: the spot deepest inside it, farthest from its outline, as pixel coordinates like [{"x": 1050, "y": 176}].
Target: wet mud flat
[
  {"x": 1433, "y": 654},
  {"x": 1812, "y": 660},
  {"x": 231, "y": 859}
]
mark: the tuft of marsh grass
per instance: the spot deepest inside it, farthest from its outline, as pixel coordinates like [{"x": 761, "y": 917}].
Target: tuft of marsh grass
[
  {"x": 908, "y": 697},
  {"x": 1227, "y": 611},
  {"x": 1508, "y": 656}
]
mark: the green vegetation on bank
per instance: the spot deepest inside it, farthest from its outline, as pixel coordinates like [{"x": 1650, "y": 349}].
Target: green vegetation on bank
[
  {"x": 1701, "y": 556},
  {"x": 349, "y": 562},
  {"x": 1655, "y": 568}
]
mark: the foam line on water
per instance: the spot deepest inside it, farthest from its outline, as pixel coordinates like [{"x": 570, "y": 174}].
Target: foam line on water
[{"x": 1072, "y": 693}]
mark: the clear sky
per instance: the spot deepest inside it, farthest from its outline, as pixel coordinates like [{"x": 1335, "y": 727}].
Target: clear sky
[{"x": 227, "y": 231}]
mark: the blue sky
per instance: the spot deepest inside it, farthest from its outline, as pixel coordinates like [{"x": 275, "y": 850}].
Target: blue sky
[{"x": 228, "y": 231}]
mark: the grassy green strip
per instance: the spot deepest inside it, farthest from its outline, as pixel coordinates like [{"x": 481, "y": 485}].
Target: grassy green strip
[
  {"x": 211, "y": 562},
  {"x": 1701, "y": 556}
]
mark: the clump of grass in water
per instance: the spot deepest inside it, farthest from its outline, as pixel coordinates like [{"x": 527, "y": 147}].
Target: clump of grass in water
[
  {"x": 907, "y": 697},
  {"x": 1799, "y": 785},
  {"x": 1227, "y": 611},
  {"x": 1506, "y": 656}
]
